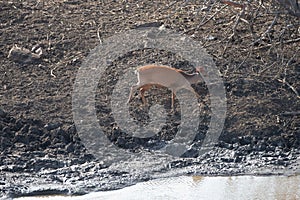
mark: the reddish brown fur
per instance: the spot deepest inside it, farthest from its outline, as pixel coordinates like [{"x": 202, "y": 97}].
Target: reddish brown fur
[{"x": 143, "y": 87}]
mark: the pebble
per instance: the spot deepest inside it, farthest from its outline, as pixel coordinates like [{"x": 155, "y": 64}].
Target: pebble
[
  {"x": 52, "y": 126},
  {"x": 2, "y": 113}
]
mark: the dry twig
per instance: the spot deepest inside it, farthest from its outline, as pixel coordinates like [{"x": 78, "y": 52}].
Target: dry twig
[
  {"x": 99, "y": 36},
  {"x": 290, "y": 86},
  {"x": 292, "y": 6},
  {"x": 291, "y": 113},
  {"x": 278, "y": 43},
  {"x": 234, "y": 4},
  {"x": 284, "y": 79},
  {"x": 51, "y": 72},
  {"x": 234, "y": 29},
  {"x": 267, "y": 31}
]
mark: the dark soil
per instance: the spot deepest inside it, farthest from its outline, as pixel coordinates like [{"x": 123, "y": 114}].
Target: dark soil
[{"x": 256, "y": 50}]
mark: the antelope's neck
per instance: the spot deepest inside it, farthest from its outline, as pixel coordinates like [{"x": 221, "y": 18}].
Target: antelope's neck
[{"x": 192, "y": 78}]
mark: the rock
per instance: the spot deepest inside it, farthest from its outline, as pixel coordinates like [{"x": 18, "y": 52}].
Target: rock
[
  {"x": 270, "y": 148},
  {"x": 2, "y": 113},
  {"x": 245, "y": 140},
  {"x": 4, "y": 143},
  {"x": 52, "y": 126},
  {"x": 239, "y": 159},
  {"x": 23, "y": 55},
  {"x": 227, "y": 159},
  {"x": 35, "y": 131},
  {"x": 63, "y": 136},
  {"x": 6, "y": 132},
  {"x": 19, "y": 124},
  {"x": 121, "y": 141},
  {"x": 71, "y": 130},
  {"x": 21, "y": 139},
  {"x": 46, "y": 143},
  {"x": 262, "y": 147},
  {"x": 25, "y": 129},
  {"x": 44, "y": 163},
  {"x": 70, "y": 148}
]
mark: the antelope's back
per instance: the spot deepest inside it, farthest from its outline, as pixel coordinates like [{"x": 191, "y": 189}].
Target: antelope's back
[{"x": 162, "y": 75}]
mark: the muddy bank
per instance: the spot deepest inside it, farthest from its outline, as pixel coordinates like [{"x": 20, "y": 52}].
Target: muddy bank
[{"x": 34, "y": 164}]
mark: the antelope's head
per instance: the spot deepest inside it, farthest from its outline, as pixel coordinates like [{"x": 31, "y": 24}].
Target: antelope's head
[{"x": 200, "y": 70}]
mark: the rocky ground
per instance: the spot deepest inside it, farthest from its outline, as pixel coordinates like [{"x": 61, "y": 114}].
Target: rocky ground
[{"x": 254, "y": 45}]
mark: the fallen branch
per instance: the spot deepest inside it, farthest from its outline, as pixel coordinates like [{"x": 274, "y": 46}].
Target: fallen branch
[
  {"x": 234, "y": 4},
  {"x": 277, "y": 43},
  {"x": 99, "y": 36},
  {"x": 267, "y": 31},
  {"x": 51, "y": 72},
  {"x": 291, "y": 113},
  {"x": 290, "y": 86},
  {"x": 292, "y": 6},
  {"x": 234, "y": 29},
  {"x": 211, "y": 17}
]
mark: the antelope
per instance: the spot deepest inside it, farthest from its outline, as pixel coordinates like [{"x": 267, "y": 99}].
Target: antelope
[{"x": 174, "y": 79}]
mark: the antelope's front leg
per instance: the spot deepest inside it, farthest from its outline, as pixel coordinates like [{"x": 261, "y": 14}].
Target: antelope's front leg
[
  {"x": 133, "y": 88},
  {"x": 142, "y": 92}
]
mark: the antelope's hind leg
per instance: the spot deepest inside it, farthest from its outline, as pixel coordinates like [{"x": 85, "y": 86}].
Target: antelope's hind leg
[
  {"x": 142, "y": 93},
  {"x": 173, "y": 100}
]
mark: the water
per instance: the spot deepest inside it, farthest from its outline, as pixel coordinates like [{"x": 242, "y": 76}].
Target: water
[{"x": 198, "y": 187}]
